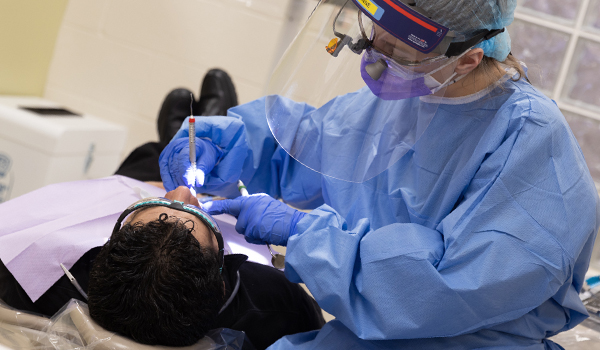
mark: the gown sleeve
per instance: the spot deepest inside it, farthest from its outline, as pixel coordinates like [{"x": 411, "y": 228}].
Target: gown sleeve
[
  {"x": 269, "y": 169},
  {"x": 509, "y": 245},
  {"x": 252, "y": 154}
]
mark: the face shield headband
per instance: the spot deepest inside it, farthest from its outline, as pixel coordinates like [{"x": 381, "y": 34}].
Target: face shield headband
[
  {"x": 407, "y": 23},
  {"x": 177, "y": 205}
]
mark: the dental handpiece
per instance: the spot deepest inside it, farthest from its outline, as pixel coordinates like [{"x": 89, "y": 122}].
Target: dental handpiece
[{"x": 277, "y": 260}]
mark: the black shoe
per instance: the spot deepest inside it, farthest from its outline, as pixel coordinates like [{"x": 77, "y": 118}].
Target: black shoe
[
  {"x": 217, "y": 94},
  {"x": 175, "y": 108}
]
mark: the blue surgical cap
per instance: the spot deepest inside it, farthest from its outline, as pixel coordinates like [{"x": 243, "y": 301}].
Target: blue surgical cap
[{"x": 467, "y": 17}]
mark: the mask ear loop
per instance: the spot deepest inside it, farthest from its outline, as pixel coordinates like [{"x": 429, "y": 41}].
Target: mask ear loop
[
  {"x": 431, "y": 81},
  {"x": 447, "y": 83}
]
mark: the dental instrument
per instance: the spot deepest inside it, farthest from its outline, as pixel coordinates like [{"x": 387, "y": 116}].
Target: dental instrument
[{"x": 74, "y": 281}]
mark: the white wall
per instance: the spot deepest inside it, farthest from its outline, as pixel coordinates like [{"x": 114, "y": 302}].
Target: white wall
[
  {"x": 28, "y": 32},
  {"x": 118, "y": 59}
]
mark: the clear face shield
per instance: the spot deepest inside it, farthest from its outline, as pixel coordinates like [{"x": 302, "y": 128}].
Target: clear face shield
[{"x": 318, "y": 107}]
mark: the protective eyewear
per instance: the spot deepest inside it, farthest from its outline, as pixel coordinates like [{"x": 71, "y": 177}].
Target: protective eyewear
[
  {"x": 316, "y": 105},
  {"x": 400, "y": 30},
  {"x": 180, "y": 206}
]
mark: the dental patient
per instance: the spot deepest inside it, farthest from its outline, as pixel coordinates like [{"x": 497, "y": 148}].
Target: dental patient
[{"x": 162, "y": 279}]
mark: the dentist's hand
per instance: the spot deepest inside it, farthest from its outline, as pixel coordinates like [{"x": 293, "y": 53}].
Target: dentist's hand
[
  {"x": 175, "y": 166},
  {"x": 261, "y": 219}
]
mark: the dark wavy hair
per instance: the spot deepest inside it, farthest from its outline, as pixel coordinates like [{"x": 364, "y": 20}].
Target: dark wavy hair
[{"x": 154, "y": 283}]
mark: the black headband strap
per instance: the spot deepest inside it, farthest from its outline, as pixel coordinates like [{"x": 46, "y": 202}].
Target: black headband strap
[{"x": 458, "y": 48}]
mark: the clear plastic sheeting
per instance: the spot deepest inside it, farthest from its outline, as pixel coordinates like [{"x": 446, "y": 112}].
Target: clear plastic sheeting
[
  {"x": 585, "y": 336},
  {"x": 72, "y": 328}
]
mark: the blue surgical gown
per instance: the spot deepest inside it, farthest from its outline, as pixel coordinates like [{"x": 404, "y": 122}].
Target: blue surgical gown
[{"x": 478, "y": 237}]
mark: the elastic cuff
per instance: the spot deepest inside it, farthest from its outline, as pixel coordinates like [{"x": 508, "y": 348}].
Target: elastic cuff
[{"x": 298, "y": 215}]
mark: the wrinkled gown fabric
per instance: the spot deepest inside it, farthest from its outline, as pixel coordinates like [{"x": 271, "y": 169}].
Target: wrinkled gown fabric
[{"x": 479, "y": 237}]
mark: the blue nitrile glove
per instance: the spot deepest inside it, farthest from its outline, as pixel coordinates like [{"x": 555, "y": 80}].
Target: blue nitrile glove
[
  {"x": 175, "y": 166},
  {"x": 261, "y": 219}
]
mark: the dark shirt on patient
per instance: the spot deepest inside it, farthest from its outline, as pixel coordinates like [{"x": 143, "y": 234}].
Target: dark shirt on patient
[{"x": 266, "y": 307}]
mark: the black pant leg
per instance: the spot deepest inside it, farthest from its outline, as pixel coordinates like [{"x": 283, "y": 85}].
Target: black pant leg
[{"x": 142, "y": 163}]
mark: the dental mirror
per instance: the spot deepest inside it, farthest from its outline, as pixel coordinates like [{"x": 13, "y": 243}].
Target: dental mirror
[{"x": 277, "y": 260}]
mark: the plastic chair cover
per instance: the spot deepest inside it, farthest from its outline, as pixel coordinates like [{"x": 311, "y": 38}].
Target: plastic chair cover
[
  {"x": 585, "y": 336},
  {"x": 72, "y": 328}
]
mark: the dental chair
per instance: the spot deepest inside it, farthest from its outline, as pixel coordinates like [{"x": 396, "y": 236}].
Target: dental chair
[{"x": 72, "y": 328}]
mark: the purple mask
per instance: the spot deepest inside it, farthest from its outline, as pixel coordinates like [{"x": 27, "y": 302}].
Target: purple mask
[
  {"x": 392, "y": 87},
  {"x": 398, "y": 82}
]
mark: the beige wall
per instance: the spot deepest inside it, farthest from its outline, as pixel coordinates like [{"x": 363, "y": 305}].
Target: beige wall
[
  {"x": 28, "y": 30},
  {"x": 118, "y": 59}
]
